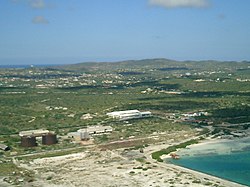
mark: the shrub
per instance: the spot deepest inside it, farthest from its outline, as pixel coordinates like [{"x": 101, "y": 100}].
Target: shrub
[{"x": 157, "y": 155}]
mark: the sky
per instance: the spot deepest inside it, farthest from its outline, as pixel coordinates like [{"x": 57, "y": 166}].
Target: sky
[{"x": 73, "y": 31}]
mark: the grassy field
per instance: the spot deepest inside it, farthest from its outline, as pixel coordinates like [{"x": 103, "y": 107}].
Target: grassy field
[{"x": 56, "y": 98}]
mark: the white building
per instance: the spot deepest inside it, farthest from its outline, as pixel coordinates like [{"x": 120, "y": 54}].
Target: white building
[
  {"x": 78, "y": 136},
  {"x": 129, "y": 114},
  {"x": 38, "y": 132},
  {"x": 84, "y": 134},
  {"x": 97, "y": 129}
]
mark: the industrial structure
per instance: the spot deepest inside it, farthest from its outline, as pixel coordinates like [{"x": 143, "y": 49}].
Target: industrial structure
[
  {"x": 36, "y": 133},
  {"x": 28, "y": 138},
  {"x": 28, "y": 141},
  {"x": 84, "y": 134},
  {"x": 79, "y": 136},
  {"x": 97, "y": 129},
  {"x": 49, "y": 139},
  {"x": 129, "y": 114}
]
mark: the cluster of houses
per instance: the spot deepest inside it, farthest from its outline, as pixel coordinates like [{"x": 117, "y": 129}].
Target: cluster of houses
[{"x": 190, "y": 117}]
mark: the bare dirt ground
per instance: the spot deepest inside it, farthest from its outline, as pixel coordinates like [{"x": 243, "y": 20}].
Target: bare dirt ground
[
  {"x": 109, "y": 165},
  {"x": 116, "y": 168}
]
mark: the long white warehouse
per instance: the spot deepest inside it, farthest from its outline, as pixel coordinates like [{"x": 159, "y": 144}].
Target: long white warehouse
[
  {"x": 97, "y": 129},
  {"x": 129, "y": 114}
]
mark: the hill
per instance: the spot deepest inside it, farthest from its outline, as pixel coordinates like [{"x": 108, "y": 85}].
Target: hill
[{"x": 158, "y": 63}]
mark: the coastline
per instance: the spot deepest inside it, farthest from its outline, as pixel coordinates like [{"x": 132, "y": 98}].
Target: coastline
[
  {"x": 210, "y": 147},
  {"x": 74, "y": 170},
  {"x": 198, "y": 174},
  {"x": 216, "y": 146},
  {"x": 226, "y": 182},
  {"x": 95, "y": 167}
]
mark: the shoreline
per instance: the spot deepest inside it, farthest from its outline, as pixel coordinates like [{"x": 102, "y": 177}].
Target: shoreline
[
  {"x": 215, "y": 146},
  {"x": 121, "y": 169},
  {"x": 229, "y": 183},
  {"x": 94, "y": 167},
  {"x": 198, "y": 174},
  {"x": 205, "y": 145}
]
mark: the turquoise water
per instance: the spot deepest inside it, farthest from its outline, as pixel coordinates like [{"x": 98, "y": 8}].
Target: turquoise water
[{"x": 234, "y": 166}]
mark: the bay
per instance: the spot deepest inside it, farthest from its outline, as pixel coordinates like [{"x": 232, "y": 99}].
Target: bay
[{"x": 229, "y": 160}]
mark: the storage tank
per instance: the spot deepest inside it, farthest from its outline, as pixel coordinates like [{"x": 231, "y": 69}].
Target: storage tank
[
  {"x": 84, "y": 136},
  {"x": 49, "y": 139},
  {"x": 28, "y": 141}
]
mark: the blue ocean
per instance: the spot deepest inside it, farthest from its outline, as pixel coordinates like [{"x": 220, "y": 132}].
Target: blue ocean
[{"x": 233, "y": 166}]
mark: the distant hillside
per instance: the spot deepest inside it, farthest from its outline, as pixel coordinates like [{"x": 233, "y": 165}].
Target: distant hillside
[
  {"x": 93, "y": 66},
  {"x": 160, "y": 63}
]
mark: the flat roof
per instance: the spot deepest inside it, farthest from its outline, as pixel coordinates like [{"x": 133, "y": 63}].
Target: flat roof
[
  {"x": 123, "y": 112},
  {"x": 96, "y": 128},
  {"x": 128, "y": 113},
  {"x": 37, "y": 132}
]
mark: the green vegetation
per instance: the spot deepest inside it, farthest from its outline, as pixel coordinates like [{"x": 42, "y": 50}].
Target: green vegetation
[
  {"x": 57, "y": 98},
  {"x": 237, "y": 114},
  {"x": 157, "y": 155},
  {"x": 49, "y": 178},
  {"x": 196, "y": 181},
  {"x": 84, "y": 88},
  {"x": 7, "y": 167},
  {"x": 13, "y": 174},
  {"x": 142, "y": 168}
]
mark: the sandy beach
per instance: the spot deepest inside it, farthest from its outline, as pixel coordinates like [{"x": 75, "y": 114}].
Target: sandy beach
[
  {"x": 117, "y": 168},
  {"x": 216, "y": 146}
]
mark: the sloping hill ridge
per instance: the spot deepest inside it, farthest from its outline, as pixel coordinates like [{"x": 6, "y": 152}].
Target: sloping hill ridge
[{"x": 151, "y": 63}]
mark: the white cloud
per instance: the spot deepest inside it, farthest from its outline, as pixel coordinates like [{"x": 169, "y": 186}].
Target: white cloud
[
  {"x": 40, "y": 20},
  {"x": 180, "y": 3},
  {"x": 37, "y": 4}
]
